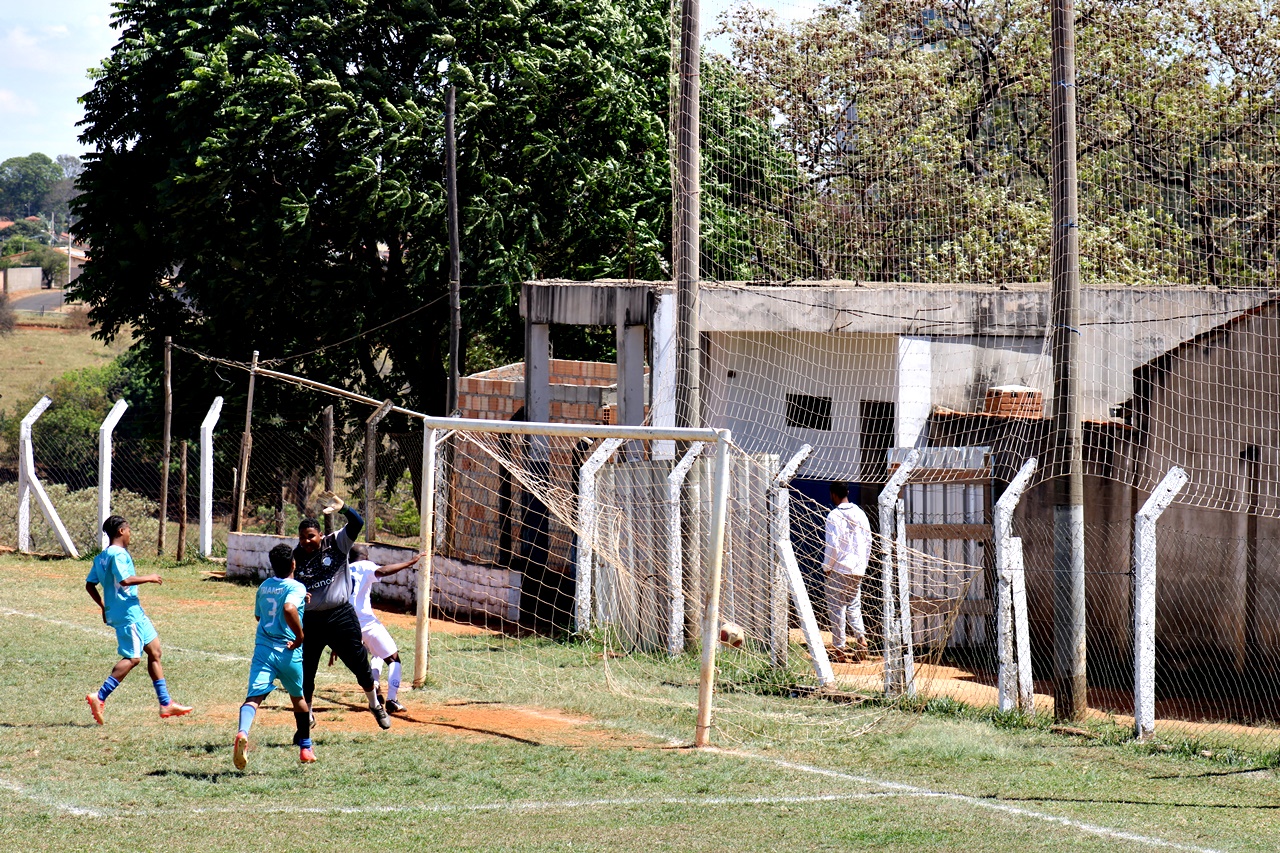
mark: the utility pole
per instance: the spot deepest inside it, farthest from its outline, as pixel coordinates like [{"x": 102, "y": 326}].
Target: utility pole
[
  {"x": 455, "y": 253},
  {"x": 687, "y": 210},
  {"x": 326, "y": 419},
  {"x": 246, "y": 447},
  {"x": 168, "y": 422},
  {"x": 1069, "y": 682}
]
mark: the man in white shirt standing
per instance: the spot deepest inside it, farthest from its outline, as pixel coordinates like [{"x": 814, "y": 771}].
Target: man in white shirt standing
[
  {"x": 377, "y": 640},
  {"x": 848, "y": 547}
]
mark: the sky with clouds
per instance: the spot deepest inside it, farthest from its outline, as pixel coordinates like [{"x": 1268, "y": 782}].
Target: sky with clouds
[{"x": 47, "y": 49}]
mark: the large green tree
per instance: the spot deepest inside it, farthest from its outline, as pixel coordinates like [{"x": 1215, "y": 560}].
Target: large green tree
[
  {"x": 268, "y": 175},
  {"x": 916, "y": 140},
  {"x": 24, "y": 181}
]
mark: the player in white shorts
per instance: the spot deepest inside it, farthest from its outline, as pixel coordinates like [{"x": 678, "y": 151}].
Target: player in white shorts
[{"x": 382, "y": 649}]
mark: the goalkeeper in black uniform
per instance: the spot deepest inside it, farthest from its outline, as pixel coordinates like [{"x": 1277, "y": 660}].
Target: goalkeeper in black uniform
[{"x": 329, "y": 619}]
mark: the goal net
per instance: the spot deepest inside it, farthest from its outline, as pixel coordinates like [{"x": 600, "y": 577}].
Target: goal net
[{"x": 598, "y": 572}]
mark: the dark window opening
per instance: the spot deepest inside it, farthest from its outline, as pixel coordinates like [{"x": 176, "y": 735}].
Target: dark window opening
[{"x": 805, "y": 412}]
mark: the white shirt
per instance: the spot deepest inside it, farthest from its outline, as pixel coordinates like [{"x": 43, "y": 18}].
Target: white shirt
[
  {"x": 848, "y": 537},
  {"x": 363, "y": 577}
]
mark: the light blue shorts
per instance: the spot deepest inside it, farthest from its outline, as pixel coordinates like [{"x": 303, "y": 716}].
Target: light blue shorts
[
  {"x": 133, "y": 635},
  {"x": 270, "y": 664}
]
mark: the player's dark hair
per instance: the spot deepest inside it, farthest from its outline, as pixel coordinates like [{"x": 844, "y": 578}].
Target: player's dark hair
[
  {"x": 360, "y": 552},
  {"x": 113, "y": 524},
  {"x": 840, "y": 490},
  {"x": 308, "y": 524},
  {"x": 281, "y": 560}
]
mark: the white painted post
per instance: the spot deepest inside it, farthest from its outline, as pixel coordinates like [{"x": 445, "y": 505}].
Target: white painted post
[
  {"x": 426, "y": 530},
  {"x": 711, "y": 619},
  {"x": 662, "y": 374},
  {"x": 1144, "y": 600},
  {"x": 675, "y": 548},
  {"x": 791, "y": 569},
  {"x": 587, "y": 530},
  {"x": 25, "y": 474},
  {"x": 893, "y": 674},
  {"x": 906, "y": 630},
  {"x": 1002, "y": 532},
  {"x": 206, "y": 477},
  {"x": 104, "y": 467},
  {"x": 30, "y": 485},
  {"x": 1021, "y": 627}
]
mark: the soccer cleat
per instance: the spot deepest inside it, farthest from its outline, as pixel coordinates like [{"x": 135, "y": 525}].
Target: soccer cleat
[
  {"x": 380, "y": 714},
  {"x": 241, "y": 755},
  {"x": 95, "y": 707},
  {"x": 306, "y": 755},
  {"x": 173, "y": 709},
  {"x": 394, "y": 707}
]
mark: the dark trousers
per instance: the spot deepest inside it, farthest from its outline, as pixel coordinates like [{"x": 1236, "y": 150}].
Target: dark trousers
[{"x": 338, "y": 629}]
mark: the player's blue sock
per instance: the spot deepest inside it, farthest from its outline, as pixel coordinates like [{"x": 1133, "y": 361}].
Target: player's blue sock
[
  {"x": 162, "y": 692},
  {"x": 107, "y": 686},
  {"x": 247, "y": 713},
  {"x": 305, "y": 743}
]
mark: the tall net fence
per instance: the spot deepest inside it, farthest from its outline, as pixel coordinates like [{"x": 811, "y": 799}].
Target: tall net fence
[{"x": 878, "y": 231}]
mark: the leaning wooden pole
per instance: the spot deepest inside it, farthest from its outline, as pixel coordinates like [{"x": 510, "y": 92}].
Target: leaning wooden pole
[
  {"x": 1069, "y": 655},
  {"x": 455, "y": 255},
  {"x": 246, "y": 448},
  {"x": 326, "y": 417}
]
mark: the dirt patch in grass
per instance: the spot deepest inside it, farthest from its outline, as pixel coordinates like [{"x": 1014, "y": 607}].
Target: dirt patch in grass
[
  {"x": 409, "y": 622},
  {"x": 473, "y": 721}
]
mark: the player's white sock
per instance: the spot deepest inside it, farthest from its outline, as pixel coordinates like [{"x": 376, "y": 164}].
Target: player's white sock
[
  {"x": 393, "y": 680},
  {"x": 375, "y": 665},
  {"x": 373, "y": 697}
]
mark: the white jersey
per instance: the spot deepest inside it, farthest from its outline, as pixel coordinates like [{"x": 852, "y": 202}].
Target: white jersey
[
  {"x": 848, "y": 540},
  {"x": 364, "y": 574}
]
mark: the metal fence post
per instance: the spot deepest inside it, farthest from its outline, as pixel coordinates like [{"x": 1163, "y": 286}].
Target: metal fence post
[
  {"x": 1144, "y": 600},
  {"x": 25, "y": 476},
  {"x": 1007, "y": 677},
  {"x": 206, "y": 477},
  {"x": 675, "y": 547},
  {"x": 587, "y": 530},
  {"x": 29, "y": 484},
  {"x": 893, "y": 673},
  {"x": 104, "y": 468}
]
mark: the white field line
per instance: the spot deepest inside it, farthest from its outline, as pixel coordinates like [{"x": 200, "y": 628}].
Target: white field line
[
  {"x": 993, "y": 805},
  {"x": 66, "y": 808},
  {"x": 106, "y": 632}
]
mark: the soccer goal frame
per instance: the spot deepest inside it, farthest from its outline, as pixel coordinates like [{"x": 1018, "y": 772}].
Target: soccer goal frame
[{"x": 436, "y": 429}]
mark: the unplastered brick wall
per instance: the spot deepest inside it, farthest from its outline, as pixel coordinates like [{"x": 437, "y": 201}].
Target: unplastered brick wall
[
  {"x": 579, "y": 394},
  {"x": 460, "y": 589}
]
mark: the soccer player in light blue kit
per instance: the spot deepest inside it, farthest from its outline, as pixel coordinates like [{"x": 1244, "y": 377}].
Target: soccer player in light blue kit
[
  {"x": 277, "y": 654},
  {"x": 113, "y": 569}
]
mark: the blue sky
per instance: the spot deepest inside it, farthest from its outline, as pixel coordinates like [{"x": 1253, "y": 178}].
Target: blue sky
[{"x": 46, "y": 50}]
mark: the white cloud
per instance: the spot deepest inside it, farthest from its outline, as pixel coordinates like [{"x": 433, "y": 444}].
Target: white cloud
[{"x": 12, "y": 104}]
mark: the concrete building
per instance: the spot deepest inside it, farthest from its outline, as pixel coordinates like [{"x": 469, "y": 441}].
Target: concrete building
[{"x": 1185, "y": 376}]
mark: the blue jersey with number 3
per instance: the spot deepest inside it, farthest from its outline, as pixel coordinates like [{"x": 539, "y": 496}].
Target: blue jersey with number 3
[{"x": 273, "y": 595}]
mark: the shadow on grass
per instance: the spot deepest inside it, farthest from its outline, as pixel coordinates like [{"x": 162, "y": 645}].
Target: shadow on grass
[
  {"x": 406, "y": 717},
  {"x": 212, "y": 778}
]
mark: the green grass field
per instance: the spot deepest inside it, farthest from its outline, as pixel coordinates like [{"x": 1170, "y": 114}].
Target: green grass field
[
  {"x": 525, "y": 749},
  {"x": 34, "y": 357}
]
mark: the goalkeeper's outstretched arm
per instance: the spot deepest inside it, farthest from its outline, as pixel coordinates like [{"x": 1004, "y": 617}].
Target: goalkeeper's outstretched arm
[{"x": 348, "y": 535}]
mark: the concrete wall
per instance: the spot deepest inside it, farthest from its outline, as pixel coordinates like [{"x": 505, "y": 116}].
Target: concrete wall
[
  {"x": 462, "y": 590},
  {"x": 18, "y": 280},
  {"x": 748, "y": 377},
  {"x": 1212, "y": 406}
]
